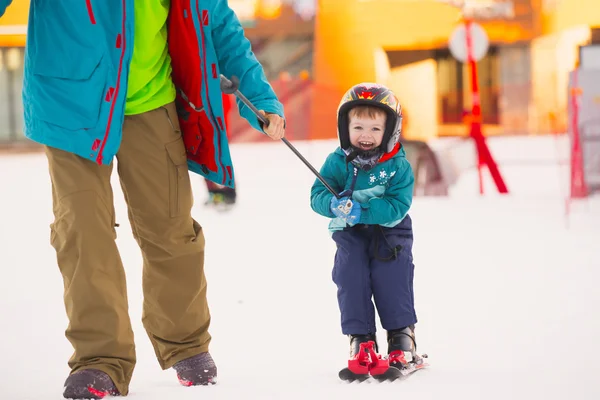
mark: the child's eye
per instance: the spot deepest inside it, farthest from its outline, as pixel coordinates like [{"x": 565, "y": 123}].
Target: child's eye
[{"x": 357, "y": 127}]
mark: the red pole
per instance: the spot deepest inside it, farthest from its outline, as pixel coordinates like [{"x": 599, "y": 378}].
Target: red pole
[
  {"x": 475, "y": 99},
  {"x": 484, "y": 156},
  {"x": 578, "y": 186}
]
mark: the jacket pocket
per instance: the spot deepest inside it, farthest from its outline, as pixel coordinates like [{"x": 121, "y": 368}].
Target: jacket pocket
[
  {"x": 180, "y": 188},
  {"x": 66, "y": 73},
  {"x": 68, "y": 94}
]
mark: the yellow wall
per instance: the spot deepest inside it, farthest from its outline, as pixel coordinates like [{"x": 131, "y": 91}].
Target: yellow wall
[
  {"x": 567, "y": 14},
  {"x": 416, "y": 86},
  {"x": 347, "y": 33},
  {"x": 553, "y": 57},
  {"x": 350, "y": 37},
  {"x": 16, "y": 14},
  {"x": 351, "y": 34},
  {"x": 566, "y": 25}
]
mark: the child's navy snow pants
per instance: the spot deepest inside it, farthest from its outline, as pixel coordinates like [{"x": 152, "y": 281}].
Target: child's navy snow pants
[{"x": 375, "y": 262}]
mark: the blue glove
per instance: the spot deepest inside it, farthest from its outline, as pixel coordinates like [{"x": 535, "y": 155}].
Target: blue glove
[{"x": 345, "y": 209}]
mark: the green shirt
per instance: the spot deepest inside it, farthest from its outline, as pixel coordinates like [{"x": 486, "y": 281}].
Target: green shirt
[{"x": 150, "y": 85}]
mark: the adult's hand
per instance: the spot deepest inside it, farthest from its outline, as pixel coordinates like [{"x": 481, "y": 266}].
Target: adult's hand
[{"x": 276, "y": 128}]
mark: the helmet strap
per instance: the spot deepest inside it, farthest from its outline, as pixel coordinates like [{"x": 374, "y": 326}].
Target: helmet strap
[{"x": 363, "y": 159}]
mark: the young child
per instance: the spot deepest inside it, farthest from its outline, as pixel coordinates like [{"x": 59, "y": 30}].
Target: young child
[{"x": 370, "y": 222}]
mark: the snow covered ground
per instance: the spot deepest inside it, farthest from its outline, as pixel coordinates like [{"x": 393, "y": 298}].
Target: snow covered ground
[{"x": 506, "y": 291}]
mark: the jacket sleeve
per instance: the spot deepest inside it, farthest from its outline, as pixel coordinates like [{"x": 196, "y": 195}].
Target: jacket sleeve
[
  {"x": 396, "y": 201},
  {"x": 235, "y": 57},
  {"x": 320, "y": 197},
  {"x": 3, "y": 5}
]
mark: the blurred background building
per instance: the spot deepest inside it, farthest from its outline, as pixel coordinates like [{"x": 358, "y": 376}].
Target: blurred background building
[{"x": 313, "y": 50}]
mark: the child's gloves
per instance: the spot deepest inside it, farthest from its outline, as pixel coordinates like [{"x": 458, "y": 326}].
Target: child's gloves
[{"x": 345, "y": 209}]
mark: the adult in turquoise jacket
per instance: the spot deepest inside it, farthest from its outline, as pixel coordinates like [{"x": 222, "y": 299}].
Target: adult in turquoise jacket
[
  {"x": 77, "y": 69},
  {"x": 139, "y": 81}
]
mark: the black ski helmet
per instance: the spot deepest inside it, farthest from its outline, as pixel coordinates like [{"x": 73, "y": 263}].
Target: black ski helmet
[{"x": 373, "y": 95}]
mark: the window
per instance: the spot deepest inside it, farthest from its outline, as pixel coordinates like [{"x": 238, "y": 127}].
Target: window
[{"x": 454, "y": 87}]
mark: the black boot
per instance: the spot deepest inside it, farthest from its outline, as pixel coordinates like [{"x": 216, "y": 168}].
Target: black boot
[
  {"x": 356, "y": 340},
  {"x": 402, "y": 340}
]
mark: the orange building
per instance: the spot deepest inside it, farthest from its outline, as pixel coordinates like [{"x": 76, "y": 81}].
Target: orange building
[{"x": 404, "y": 44}]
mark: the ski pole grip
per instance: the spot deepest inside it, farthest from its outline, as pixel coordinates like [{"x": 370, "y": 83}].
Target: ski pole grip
[{"x": 229, "y": 86}]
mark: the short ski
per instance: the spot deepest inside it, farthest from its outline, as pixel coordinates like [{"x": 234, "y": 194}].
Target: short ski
[
  {"x": 347, "y": 375},
  {"x": 367, "y": 363}
]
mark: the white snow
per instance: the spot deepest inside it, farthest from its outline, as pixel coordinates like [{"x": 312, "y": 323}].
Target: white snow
[{"x": 506, "y": 292}]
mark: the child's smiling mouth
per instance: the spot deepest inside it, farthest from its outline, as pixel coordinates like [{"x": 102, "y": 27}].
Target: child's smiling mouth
[{"x": 366, "y": 145}]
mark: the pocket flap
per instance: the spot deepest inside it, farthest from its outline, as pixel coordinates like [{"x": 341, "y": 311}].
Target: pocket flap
[
  {"x": 176, "y": 151},
  {"x": 55, "y": 67}
]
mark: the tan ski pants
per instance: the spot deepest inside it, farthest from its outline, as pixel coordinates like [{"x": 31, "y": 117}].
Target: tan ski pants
[{"x": 154, "y": 177}]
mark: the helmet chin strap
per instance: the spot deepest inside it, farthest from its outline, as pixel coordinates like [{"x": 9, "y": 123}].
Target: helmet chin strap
[
  {"x": 364, "y": 159},
  {"x": 351, "y": 154}
]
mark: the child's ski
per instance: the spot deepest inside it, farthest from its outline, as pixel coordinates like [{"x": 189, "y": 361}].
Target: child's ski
[
  {"x": 367, "y": 363},
  {"x": 347, "y": 375}
]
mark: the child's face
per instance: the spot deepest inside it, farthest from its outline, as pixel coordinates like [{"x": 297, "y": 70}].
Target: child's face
[{"x": 366, "y": 133}]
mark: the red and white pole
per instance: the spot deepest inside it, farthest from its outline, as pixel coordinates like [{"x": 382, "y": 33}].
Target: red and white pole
[
  {"x": 475, "y": 119},
  {"x": 484, "y": 156},
  {"x": 578, "y": 185}
]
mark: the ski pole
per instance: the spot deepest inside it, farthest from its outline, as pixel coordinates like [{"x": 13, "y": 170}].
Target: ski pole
[{"x": 232, "y": 87}]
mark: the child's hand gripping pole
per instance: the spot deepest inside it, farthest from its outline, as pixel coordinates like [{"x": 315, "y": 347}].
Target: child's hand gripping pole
[
  {"x": 232, "y": 87},
  {"x": 344, "y": 207}
]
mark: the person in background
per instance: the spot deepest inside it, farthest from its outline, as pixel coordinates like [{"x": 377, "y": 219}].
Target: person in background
[{"x": 220, "y": 196}]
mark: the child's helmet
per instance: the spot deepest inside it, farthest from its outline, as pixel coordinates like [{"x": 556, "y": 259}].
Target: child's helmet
[{"x": 374, "y": 95}]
